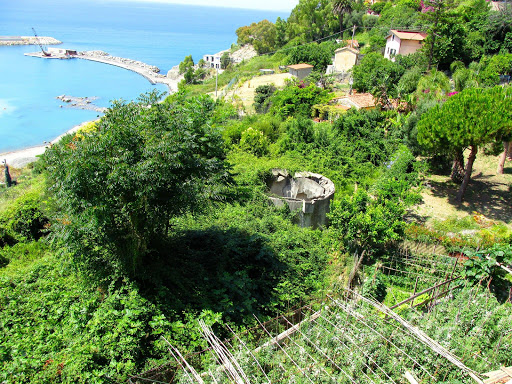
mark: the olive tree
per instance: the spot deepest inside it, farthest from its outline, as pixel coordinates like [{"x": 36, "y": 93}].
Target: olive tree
[{"x": 468, "y": 119}]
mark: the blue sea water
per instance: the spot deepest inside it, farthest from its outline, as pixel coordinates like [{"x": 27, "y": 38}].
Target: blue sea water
[{"x": 156, "y": 33}]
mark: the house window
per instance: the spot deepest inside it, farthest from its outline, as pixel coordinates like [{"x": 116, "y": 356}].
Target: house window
[
  {"x": 388, "y": 50},
  {"x": 392, "y": 52},
  {"x": 392, "y": 37}
]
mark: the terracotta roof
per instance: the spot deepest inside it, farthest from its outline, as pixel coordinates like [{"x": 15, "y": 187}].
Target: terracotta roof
[
  {"x": 352, "y": 43},
  {"x": 353, "y": 50},
  {"x": 300, "y": 66},
  {"x": 359, "y": 100},
  {"x": 408, "y": 35}
]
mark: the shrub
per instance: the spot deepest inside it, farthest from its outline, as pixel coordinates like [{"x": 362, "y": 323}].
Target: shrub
[{"x": 254, "y": 141}]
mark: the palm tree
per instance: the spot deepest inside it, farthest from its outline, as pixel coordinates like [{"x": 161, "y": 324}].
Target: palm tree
[{"x": 340, "y": 7}]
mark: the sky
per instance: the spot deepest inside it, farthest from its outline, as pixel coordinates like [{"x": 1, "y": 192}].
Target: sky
[{"x": 273, "y": 5}]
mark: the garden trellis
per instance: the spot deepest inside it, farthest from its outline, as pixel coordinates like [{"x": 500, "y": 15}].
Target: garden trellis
[{"x": 350, "y": 338}]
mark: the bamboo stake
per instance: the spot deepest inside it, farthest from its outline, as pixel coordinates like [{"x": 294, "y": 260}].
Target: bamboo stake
[
  {"x": 408, "y": 375},
  {"x": 282, "y": 349},
  {"x": 285, "y": 334},
  {"x": 229, "y": 362},
  {"x": 421, "y": 293},
  {"x": 373, "y": 328},
  {"x": 323, "y": 354},
  {"x": 424, "y": 338},
  {"x": 252, "y": 355},
  {"x": 357, "y": 346},
  {"x": 190, "y": 368}
]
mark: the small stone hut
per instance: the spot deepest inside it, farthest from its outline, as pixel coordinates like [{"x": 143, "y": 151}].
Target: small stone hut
[{"x": 301, "y": 71}]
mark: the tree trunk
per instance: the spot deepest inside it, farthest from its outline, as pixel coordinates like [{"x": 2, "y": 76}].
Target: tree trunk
[
  {"x": 503, "y": 158},
  {"x": 340, "y": 18},
  {"x": 467, "y": 175},
  {"x": 509, "y": 151},
  {"x": 457, "y": 174}
]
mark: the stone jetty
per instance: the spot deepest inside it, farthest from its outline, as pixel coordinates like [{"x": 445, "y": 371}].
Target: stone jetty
[
  {"x": 150, "y": 72},
  {"x": 28, "y": 40}
]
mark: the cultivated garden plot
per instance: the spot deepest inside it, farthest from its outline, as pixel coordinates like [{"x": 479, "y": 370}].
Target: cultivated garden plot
[{"x": 454, "y": 333}]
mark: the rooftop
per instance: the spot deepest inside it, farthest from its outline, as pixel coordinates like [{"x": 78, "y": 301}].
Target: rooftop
[
  {"x": 357, "y": 100},
  {"x": 350, "y": 49},
  {"x": 300, "y": 66},
  {"x": 409, "y": 35}
]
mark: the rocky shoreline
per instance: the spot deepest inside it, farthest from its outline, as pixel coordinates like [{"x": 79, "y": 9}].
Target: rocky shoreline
[
  {"x": 85, "y": 103},
  {"x": 27, "y": 40}
]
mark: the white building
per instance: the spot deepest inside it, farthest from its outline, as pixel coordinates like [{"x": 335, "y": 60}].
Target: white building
[
  {"x": 403, "y": 43},
  {"x": 213, "y": 61}
]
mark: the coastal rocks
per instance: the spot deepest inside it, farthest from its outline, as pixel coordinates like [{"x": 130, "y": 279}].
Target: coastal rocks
[
  {"x": 174, "y": 73},
  {"x": 85, "y": 103},
  {"x": 246, "y": 52}
]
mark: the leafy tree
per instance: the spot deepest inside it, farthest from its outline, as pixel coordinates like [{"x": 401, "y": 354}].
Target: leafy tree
[
  {"x": 435, "y": 85},
  {"x": 317, "y": 55},
  {"x": 262, "y": 97},
  {"x": 492, "y": 67},
  {"x": 186, "y": 64},
  {"x": 262, "y": 35},
  {"x": 311, "y": 20},
  {"x": 462, "y": 77},
  {"x": 118, "y": 187},
  {"x": 225, "y": 60},
  {"x": 376, "y": 73},
  {"x": 365, "y": 224},
  {"x": 467, "y": 120},
  {"x": 498, "y": 31}
]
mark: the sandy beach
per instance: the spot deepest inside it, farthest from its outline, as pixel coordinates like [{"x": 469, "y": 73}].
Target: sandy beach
[{"x": 22, "y": 157}]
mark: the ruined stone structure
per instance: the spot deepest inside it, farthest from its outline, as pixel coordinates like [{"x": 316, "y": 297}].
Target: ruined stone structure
[{"x": 308, "y": 194}]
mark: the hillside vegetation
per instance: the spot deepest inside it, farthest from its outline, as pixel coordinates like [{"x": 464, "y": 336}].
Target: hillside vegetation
[{"x": 153, "y": 228}]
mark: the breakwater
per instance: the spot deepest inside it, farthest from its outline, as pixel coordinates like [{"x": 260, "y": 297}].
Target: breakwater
[
  {"x": 28, "y": 40},
  {"x": 150, "y": 72}
]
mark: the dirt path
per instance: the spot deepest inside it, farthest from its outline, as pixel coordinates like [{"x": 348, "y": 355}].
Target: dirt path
[{"x": 247, "y": 90}]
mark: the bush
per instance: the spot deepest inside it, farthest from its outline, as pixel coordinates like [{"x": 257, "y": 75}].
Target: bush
[
  {"x": 254, "y": 141},
  {"x": 297, "y": 100},
  {"x": 25, "y": 219},
  {"x": 262, "y": 97}
]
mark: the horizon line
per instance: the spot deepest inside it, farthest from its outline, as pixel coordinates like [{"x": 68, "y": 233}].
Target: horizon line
[{"x": 228, "y": 6}]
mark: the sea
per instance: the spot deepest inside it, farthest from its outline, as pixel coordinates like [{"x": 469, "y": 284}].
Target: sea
[{"x": 156, "y": 33}]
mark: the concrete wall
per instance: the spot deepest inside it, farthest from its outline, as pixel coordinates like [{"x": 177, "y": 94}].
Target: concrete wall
[
  {"x": 402, "y": 47},
  {"x": 344, "y": 60},
  {"x": 300, "y": 73},
  {"x": 409, "y": 46},
  {"x": 308, "y": 194},
  {"x": 393, "y": 43}
]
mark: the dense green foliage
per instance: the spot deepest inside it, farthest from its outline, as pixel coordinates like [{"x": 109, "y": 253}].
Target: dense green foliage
[
  {"x": 471, "y": 119},
  {"x": 161, "y": 162},
  {"x": 317, "y": 55},
  {"x": 158, "y": 215}
]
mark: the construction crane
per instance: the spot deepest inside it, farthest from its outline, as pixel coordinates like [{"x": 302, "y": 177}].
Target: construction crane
[{"x": 39, "y": 43}]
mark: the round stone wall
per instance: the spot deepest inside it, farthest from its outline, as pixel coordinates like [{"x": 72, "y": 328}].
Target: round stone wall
[{"x": 307, "y": 193}]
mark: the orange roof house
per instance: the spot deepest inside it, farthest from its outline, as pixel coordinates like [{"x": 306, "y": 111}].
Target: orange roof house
[
  {"x": 357, "y": 101},
  {"x": 403, "y": 43}
]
